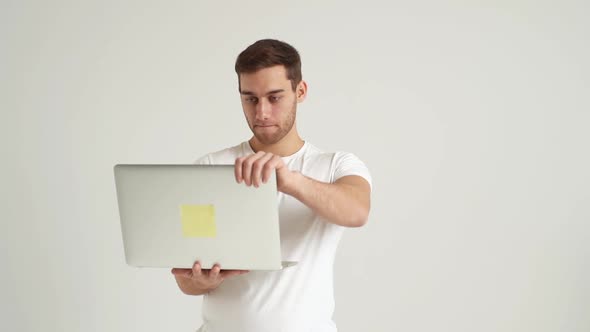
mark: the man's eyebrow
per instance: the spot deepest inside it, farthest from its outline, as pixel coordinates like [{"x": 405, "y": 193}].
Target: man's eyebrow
[
  {"x": 250, "y": 93},
  {"x": 275, "y": 91}
]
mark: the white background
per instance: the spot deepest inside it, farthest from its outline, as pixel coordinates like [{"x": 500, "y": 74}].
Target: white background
[{"x": 472, "y": 116}]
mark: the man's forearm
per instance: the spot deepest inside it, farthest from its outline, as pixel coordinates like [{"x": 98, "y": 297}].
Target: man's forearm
[{"x": 339, "y": 203}]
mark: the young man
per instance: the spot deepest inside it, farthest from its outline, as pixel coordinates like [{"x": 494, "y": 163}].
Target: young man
[{"x": 320, "y": 194}]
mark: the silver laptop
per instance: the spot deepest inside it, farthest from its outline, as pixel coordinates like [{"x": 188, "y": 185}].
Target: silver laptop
[{"x": 174, "y": 215}]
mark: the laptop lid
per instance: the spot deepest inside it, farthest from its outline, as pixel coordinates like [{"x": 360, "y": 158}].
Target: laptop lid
[{"x": 174, "y": 215}]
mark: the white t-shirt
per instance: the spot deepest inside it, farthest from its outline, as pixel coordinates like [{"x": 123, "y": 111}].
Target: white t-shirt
[{"x": 299, "y": 298}]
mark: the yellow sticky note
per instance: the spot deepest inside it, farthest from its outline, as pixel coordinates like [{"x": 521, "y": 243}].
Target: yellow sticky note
[{"x": 198, "y": 220}]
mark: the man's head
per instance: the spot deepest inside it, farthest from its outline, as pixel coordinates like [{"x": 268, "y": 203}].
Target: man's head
[
  {"x": 270, "y": 85},
  {"x": 267, "y": 53}
]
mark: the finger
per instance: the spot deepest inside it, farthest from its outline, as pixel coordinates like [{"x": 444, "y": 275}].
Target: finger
[
  {"x": 186, "y": 273},
  {"x": 258, "y": 167},
  {"x": 247, "y": 167},
  {"x": 270, "y": 167},
  {"x": 197, "y": 271},
  {"x": 238, "y": 169},
  {"x": 214, "y": 273}
]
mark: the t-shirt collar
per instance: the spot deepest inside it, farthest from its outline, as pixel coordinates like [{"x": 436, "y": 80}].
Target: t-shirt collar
[{"x": 301, "y": 150}]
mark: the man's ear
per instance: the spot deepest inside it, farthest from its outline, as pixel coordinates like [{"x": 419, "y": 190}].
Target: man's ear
[{"x": 301, "y": 91}]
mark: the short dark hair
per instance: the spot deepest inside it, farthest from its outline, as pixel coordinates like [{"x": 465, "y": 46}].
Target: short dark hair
[{"x": 267, "y": 53}]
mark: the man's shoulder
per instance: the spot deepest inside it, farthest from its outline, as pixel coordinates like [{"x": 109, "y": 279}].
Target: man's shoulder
[
  {"x": 336, "y": 163},
  {"x": 331, "y": 156},
  {"x": 224, "y": 156}
]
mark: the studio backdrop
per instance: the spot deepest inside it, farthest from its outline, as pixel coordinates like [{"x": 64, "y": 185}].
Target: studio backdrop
[{"x": 471, "y": 116}]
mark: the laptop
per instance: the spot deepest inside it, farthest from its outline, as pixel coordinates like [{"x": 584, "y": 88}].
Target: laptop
[{"x": 174, "y": 215}]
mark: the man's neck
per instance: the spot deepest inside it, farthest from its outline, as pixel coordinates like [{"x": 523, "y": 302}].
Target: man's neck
[{"x": 285, "y": 147}]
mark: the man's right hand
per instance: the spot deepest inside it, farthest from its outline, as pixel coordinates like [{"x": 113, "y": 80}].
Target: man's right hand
[{"x": 197, "y": 281}]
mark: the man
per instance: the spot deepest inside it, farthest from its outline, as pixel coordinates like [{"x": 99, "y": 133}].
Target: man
[{"x": 319, "y": 195}]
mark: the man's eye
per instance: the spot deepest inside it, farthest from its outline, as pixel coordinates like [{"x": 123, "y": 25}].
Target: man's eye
[
  {"x": 274, "y": 98},
  {"x": 251, "y": 100}
]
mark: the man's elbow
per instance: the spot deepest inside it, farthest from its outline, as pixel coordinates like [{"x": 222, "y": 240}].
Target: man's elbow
[{"x": 361, "y": 217}]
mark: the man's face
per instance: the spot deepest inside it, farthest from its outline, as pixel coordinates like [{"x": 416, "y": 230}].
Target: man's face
[{"x": 269, "y": 103}]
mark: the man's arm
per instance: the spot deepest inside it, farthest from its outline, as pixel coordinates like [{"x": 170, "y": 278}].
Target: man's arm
[{"x": 345, "y": 202}]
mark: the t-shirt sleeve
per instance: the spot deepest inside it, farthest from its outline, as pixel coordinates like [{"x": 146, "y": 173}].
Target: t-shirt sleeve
[
  {"x": 346, "y": 164},
  {"x": 204, "y": 160}
]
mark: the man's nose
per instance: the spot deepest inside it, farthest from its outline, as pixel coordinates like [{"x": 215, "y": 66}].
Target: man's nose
[{"x": 262, "y": 110}]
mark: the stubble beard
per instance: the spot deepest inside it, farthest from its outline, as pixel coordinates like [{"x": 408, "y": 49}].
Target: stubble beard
[{"x": 283, "y": 129}]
